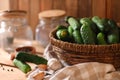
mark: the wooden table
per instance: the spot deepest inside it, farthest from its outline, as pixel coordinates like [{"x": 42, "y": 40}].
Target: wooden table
[{"x": 7, "y": 69}]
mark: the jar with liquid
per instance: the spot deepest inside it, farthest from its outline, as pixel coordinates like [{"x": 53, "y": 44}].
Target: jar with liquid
[
  {"x": 48, "y": 20},
  {"x": 15, "y": 21}
]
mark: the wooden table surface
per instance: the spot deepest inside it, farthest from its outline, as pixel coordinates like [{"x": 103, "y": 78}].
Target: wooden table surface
[{"x": 10, "y": 72}]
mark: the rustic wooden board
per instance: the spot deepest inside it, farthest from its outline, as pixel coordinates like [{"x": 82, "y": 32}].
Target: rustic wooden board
[
  {"x": 16, "y": 74},
  {"x": 7, "y": 72},
  {"x": 10, "y": 73},
  {"x": 7, "y": 69}
]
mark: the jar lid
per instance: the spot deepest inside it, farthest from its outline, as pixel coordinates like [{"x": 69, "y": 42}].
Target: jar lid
[
  {"x": 52, "y": 14},
  {"x": 13, "y": 13}
]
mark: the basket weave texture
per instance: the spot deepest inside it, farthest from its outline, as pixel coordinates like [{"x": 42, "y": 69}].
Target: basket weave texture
[{"x": 73, "y": 53}]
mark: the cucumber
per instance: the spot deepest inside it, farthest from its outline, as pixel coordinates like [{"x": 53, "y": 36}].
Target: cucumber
[
  {"x": 77, "y": 37},
  {"x": 87, "y": 34},
  {"x": 70, "y": 31},
  {"x": 74, "y": 23},
  {"x": 61, "y": 27},
  {"x": 90, "y": 23},
  {"x": 66, "y": 18},
  {"x": 26, "y": 57},
  {"x": 101, "y": 39},
  {"x": 101, "y": 24},
  {"x": 24, "y": 67},
  {"x": 113, "y": 36},
  {"x": 112, "y": 23},
  {"x": 62, "y": 34}
]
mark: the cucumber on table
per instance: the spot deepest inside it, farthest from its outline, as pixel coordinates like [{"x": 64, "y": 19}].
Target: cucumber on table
[
  {"x": 26, "y": 57},
  {"x": 24, "y": 67}
]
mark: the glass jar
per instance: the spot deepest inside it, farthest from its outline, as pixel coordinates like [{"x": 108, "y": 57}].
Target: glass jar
[
  {"x": 15, "y": 22},
  {"x": 6, "y": 36},
  {"x": 48, "y": 20}
]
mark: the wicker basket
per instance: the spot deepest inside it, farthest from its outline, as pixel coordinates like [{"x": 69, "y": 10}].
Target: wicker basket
[{"x": 75, "y": 53}]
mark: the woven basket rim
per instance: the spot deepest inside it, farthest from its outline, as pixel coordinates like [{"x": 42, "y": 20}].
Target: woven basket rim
[{"x": 81, "y": 47}]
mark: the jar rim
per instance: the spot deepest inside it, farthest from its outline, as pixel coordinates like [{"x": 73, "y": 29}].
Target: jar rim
[
  {"x": 51, "y": 14},
  {"x": 13, "y": 13}
]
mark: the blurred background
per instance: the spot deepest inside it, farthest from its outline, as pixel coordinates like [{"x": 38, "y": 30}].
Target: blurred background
[{"x": 76, "y": 8}]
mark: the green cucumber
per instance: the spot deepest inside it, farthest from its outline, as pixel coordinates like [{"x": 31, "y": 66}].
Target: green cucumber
[
  {"x": 90, "y": 23},
  {"x": 61, "y": 27},
  {"x": 70, "y": 31},
  {"x": 87, "y": 34},
  {"x": 24, "y": 67},
  {"x": 113, "y": 36},
  {"x": 101, "y": 39},
  {"x": 74, "y": 23},
  {"x": 77, "y": 37},
  {"x": 112, "y": 23},
  {"x": 66, "y": 18},
  {"x": 26, "y": 57},
  {"x": 101, "y": 23},
  {"x": 62, "y": 34}
]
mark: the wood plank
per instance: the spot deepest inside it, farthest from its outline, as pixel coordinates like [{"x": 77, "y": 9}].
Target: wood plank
[
  {"x": 25, "y": 5},
  {"x": 14, "y": 4},
  {"x": 84, "y": 8},
  {"x": 109, "y": 8},
  {"x": 46, "y": 4},
  {"x": 8, "y": 71},
  {"x": 72, "y": 7},
  {"x": 4, "y": 5},
  {"x": 99, "y": 8},
  {"x": 16, "y": 74},
  {"x": 115, "y": 10},
  {"x": 59, "y": 4},
  {"x": 34, "y": 11}
]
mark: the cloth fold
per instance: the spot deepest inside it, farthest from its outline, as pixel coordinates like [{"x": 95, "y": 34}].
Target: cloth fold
[
  {"x": 87, "y": 71},
  {"x": 82, "y": 71}
]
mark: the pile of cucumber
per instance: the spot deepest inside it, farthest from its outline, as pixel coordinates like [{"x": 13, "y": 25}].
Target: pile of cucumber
[
  {"x": 94, "y": 30},
  {"x": 23, "y": 57}
]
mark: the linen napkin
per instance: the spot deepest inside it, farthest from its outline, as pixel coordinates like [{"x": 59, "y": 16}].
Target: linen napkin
[
  {"x": 87, "y": 71},
  {"x": 82, "y": 71}
]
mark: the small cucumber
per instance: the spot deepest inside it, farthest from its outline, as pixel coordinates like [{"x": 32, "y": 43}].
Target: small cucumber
[
  {"x": 26, "y": 57},
  {"x": 90, "y": 23},
  {"x": 70, "y": 31},
  {"x": 74, "y": 23},
  {"x": 101, "y": 24},
  {"x": 66, "y": 18},
  {"x": 101, "y": 39},
  {"x": 112, "y": 23},
  {"x": 62, "y": 34},
  {"x": 84, "y": 20},
  {"x": 24, "y": 67},
  {"x": 61, "y": 27},
  {"x": 87, "y": 34},
  {"x": 113, "y": 36},
  {"x": 77, "y": 37}
]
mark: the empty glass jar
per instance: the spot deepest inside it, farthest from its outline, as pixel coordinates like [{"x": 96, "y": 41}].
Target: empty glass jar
[
  {"x": 15, "y": 22},
  {"x": 48, "y": 20}
]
